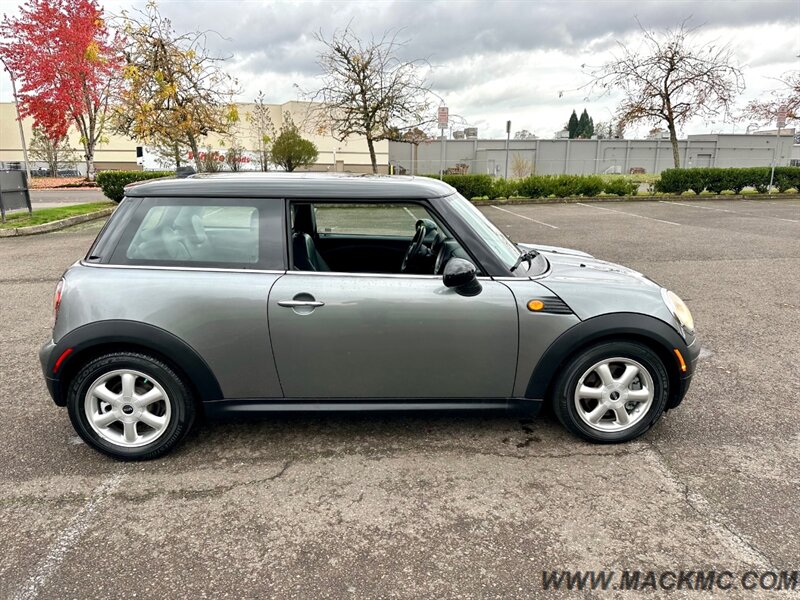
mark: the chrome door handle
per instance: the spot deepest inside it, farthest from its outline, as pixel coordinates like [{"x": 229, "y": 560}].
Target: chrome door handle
[{"x": 296, "y": 303}]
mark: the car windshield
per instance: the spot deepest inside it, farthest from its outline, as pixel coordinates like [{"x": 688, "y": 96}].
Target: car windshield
[{"x": 507, "y": 250}]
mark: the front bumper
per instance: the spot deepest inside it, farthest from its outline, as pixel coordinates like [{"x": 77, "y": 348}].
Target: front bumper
[{"x": 691, "y": 355}]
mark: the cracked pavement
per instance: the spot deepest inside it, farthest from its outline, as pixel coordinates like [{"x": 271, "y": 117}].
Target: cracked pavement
[{"x": 431, "y": 505}]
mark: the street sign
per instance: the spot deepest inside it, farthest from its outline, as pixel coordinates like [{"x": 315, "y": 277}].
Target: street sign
[
  {"x": 783, "y": 112},
  {"x": 444, "y": 117}
]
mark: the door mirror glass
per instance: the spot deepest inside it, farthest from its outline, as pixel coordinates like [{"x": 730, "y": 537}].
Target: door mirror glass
[{"x": 461, "y": 275}]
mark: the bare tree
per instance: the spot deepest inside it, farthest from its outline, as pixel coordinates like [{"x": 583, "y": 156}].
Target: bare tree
[
  {"x": 671, "y": 78},
  {"x": 367, "y": 90},
  {"x": 261, "y": 120},
  {"x": 57, "y": 153},
  {"x": 520, "y": 166},
  {"x": 787, "y": 98}
]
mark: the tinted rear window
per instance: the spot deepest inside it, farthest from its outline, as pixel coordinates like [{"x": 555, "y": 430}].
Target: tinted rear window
[
  {"x": 204, "y": 234},
  {"x": 224, "y": 233}
]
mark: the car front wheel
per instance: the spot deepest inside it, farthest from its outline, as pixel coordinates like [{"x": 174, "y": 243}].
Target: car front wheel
[
  {"x": 611, "y": 392},
  {"x": 130, "y": 406}
]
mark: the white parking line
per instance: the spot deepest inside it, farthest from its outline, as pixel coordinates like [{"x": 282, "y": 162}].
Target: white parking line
[
  {"x": 622, "y": 212},
  {"x": 770, "y": 202},
  {"x": 410, "y": 214},
  {"x": 735, "y": 212},
  {"x": 685, "y": 204},
  {"x": 524, "y": 217},
  {"x": 68, "y": 539}
]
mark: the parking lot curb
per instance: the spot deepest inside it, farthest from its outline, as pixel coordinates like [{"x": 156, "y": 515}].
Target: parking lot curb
[
  {"x": 585, "y": 199},
  {"x": 56, "y": 225}
]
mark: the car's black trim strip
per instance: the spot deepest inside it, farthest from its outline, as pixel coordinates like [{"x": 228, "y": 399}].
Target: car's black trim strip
[
  {"x": 121, "y": 333},
  {"x": 613, "y": 325},
  {"x": 251, "y": 406}
]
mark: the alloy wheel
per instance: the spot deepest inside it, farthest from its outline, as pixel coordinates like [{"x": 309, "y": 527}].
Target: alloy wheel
[
  {"x": 127, "y": 408},
  {"x": 614, "y": 394}
]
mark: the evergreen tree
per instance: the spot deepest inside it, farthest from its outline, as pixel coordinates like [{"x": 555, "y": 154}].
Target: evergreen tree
[
  {"x": 572, "y": 125},
  {"x": 585, "y": 128}
]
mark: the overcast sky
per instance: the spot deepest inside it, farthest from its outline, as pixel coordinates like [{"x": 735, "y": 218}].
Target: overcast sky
[{"x": 491, "y": 61}]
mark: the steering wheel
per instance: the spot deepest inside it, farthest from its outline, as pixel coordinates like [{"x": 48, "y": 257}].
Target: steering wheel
[{"x": 415, "y": 247}]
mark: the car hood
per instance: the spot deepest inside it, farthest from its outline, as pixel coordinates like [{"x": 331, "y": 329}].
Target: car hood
[
  {"x": 574, "y": 265},
  {"x": 555, "y": 250},
  {"x": 593, "y": 287}
]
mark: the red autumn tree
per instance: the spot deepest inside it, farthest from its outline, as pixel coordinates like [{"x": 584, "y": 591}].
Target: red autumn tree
[{"x": 65, "y": 58}]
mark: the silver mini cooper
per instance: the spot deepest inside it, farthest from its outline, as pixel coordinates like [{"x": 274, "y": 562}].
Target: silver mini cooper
[{"x": 243, "y": 294}]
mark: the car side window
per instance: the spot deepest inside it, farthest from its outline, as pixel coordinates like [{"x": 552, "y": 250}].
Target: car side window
[
  {"x": 369, "y": 237},
  {"x": 193, "y": 233},
  {"x": 375, "y": 220}
]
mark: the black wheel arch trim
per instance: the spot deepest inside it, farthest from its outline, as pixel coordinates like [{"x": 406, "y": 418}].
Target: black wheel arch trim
[
  {"x": 632, "y": 326},
  {"x": 115, "y": 335}
]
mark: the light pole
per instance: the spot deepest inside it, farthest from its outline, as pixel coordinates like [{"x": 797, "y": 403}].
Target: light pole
[
  {"x": 780, "y": 122},
  {"x": 508, "y": 141},
  {"x": 19, "y": 121}
]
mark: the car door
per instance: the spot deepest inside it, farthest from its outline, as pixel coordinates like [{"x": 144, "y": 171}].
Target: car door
[{"x": 353, "y": 335}]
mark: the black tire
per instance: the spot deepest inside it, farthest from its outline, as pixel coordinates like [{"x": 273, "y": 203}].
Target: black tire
[
  {"x": 182, "y": 405},
  {"x": 563, "y": 401}
]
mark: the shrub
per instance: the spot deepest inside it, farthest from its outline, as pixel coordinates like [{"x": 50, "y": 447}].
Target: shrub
[
  {"x": 504, "y": 188},
  {"x": 620, "y": 186},
  {"x": 471, "y": 185},
  {"x": 787, "y": 178},
  {"x": 533, "y": 187},
  {"x": 759, "y": 179},
  {"x": 717, "y": 180},
  {"x": 696, "y": 179},
  {"x": 561, "y": 186},
  {"x": 113, "y": 182},
  {"x": 677, "y": 181},
  {"x": 589, "y": 185},
  {"x": 672, "y": 181}
]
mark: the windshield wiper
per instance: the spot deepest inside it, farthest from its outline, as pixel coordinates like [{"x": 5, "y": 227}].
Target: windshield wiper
[{"x": 526, "y": 256}]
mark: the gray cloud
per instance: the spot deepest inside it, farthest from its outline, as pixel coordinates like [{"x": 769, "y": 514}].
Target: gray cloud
[
  {"x": 279, "y": 37},
  {"x": 491, "y": 60}
]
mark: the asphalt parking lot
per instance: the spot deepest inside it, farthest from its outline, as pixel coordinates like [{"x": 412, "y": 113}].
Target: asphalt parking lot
[{"x": 427, "y": 505}]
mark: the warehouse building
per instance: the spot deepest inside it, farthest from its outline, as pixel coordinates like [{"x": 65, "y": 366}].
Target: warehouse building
[{"x": 119, "y": 152}]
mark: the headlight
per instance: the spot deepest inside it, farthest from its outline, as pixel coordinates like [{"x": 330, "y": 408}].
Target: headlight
[{"x": 679, "y": 309}]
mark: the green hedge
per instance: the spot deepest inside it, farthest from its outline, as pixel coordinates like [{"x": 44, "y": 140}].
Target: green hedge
[
  {"x": 539, "y": 186},
  {"x": 471, "y": 186},
  {"x": 678, "y": 181},
  {"x": 113, "y": 182}
]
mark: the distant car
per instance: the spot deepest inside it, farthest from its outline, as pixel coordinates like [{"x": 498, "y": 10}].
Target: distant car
[{"x": 245, "y": 293}]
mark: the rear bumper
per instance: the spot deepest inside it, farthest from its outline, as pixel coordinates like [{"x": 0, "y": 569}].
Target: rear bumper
[{"x": 47, "y": 360}]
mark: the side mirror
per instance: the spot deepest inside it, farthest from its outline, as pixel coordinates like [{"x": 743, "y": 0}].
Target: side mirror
[{"x": 461, "y": 275}]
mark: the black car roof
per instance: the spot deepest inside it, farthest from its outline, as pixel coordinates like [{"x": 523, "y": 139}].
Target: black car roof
[{"x": 292, "y": 185}]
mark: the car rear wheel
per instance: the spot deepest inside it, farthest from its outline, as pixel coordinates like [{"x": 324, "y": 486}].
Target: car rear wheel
[
  {"x": 612, "y": 392},
  {"x": 130, "y": 406}
]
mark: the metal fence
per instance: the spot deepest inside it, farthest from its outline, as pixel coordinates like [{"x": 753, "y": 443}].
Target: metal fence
[{"x": 583, "y": 157}]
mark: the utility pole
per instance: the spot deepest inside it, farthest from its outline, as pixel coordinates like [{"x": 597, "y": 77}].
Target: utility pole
[
  {"x": 781, "y": 122},
  {"x": 508, "y": 141},
  {"x": 19, "y": 122}
]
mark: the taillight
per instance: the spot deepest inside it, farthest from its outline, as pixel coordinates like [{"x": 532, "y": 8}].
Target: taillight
[{"x": 57, "y": 300}]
